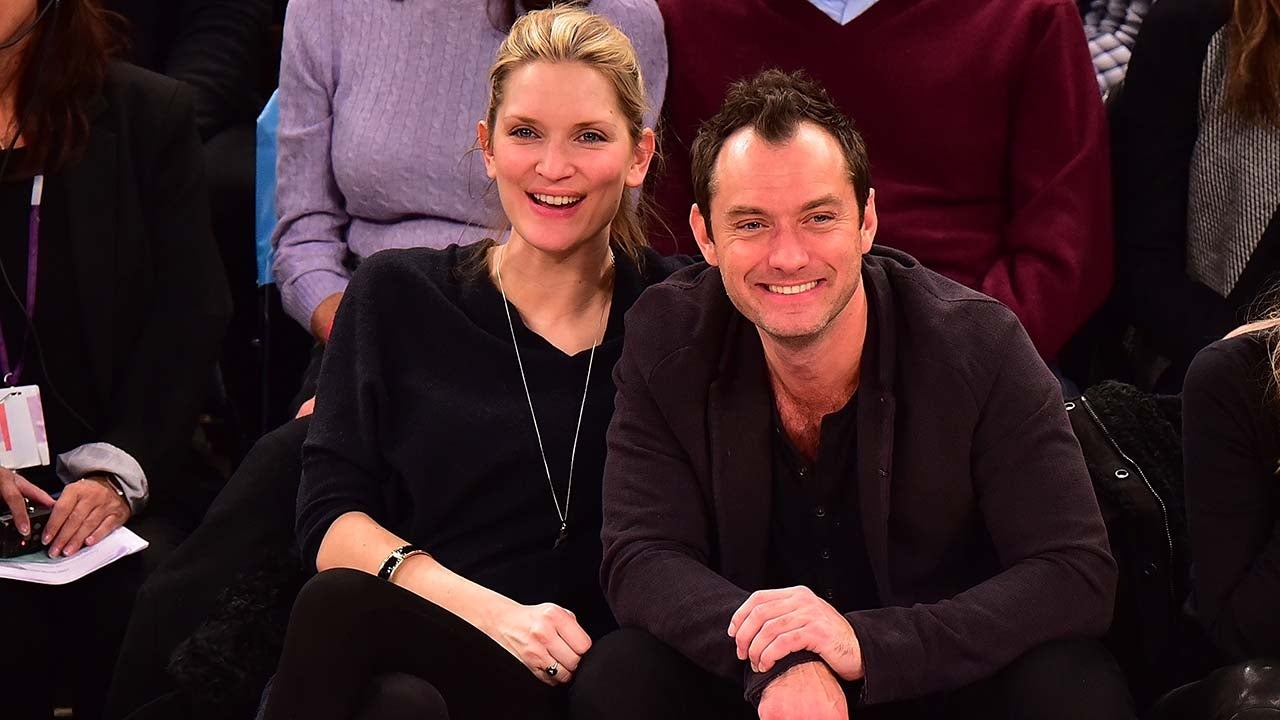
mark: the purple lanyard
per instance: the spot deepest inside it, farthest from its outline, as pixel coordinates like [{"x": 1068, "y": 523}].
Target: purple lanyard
[{"x": 10, "y": 374}]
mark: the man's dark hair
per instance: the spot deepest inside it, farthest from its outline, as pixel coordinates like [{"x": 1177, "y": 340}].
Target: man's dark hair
[{"x": 774, "y": 103}]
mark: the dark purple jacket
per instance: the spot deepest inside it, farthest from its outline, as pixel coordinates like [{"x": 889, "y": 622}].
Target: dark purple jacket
[{"x": 981, "y": 525}]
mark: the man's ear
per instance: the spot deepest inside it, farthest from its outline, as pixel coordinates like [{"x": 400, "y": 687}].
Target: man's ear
[
  {"x": 641, "y": 159},
  {"x": 869, "y": 223},
  {"x": 484, "y": 140},
  {"x": 699, "y": 227}
]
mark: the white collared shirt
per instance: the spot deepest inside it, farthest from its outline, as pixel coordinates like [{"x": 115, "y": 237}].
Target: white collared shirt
[{"x": 843, "y": 11}]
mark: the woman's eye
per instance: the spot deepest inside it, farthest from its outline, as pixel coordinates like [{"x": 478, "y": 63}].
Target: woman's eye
[
  {"x": 592, "y": 136},
  {"x": 523, "y": 133}
]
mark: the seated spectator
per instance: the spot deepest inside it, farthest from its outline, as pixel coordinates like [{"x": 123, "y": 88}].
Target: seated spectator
[
  {"x": 1196, "y": 143},
  {"x": 451, "y": 474},
  {"x": 381, "y": 159},
  {"x": 988, "y": 133},
  {"x": 219, "y": 48},
  {"x": 114, "y": 307},
  {"x": 837, "y": 481},
  {"x": 1231, "y": 439},
  {"x": 183, "y": 593}
]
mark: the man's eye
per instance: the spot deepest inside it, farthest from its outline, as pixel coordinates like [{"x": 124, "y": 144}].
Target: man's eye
[
  {"x": 822, "y": 218},
  {"x": 750, "y": 225}
]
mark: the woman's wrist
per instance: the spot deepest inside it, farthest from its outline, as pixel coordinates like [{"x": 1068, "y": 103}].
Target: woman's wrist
[{"x": 478, "y": 605}]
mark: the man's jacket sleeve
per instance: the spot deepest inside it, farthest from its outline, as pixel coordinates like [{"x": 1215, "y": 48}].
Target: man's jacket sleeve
[{"x": 658, "y": 537}]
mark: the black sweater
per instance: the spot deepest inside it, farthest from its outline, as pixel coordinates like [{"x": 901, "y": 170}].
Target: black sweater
[
  {"x": 422, "y": 422},
  {"x": 1231, "y": 438}
]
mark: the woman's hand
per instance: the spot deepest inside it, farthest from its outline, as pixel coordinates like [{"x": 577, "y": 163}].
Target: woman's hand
[
  {"x": 546, "y": 638},
  {"x": 15, "y": 489},
  {"x": 87, "y": 511}
]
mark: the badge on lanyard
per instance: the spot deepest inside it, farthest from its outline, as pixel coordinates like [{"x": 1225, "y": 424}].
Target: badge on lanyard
[{"x": 23, "y": 442}]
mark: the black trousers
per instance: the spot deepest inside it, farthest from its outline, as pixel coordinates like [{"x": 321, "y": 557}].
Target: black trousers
[
  {"x": 360, "y": 647},
  {"x": 63, "y": 639},
  {"x": 630, "y": 674},
  {"x": 249, "y": 521}
]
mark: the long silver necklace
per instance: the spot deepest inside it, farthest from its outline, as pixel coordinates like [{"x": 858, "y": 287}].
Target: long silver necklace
[{"x": 562, "y": 513}]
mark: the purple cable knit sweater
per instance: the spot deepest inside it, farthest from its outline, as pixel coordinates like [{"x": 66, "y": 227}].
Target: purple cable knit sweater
[{"x": 378, "y": 108}]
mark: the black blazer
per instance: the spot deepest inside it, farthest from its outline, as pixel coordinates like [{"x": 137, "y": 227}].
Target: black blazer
[
  {"x": 981, "y": 526},
  {"x": 154, "y": 297}
]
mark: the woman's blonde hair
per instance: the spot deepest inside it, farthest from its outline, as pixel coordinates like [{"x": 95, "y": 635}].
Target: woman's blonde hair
[{"x": 570, "y": 34}]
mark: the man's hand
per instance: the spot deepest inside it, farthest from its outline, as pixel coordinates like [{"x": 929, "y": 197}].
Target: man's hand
[
  {"x": 322, "y": 318},
  {"x": 87, "y": 511},
  {"x": 772, "y": 624},
  {"x": 13, "y": 489},
  {"x": 806, "y": 691}
]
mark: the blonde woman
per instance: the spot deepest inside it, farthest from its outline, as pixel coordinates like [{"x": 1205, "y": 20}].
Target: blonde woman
[
  {"x": 1231, "y": 439},
  {"x": 451, "y": 479}
]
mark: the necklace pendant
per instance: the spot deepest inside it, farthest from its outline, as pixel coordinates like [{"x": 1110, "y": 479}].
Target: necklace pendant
[{"x": 563, "y": 537}]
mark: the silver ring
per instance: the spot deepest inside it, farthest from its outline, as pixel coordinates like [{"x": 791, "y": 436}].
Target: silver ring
[{"x": 552, "y": 669}]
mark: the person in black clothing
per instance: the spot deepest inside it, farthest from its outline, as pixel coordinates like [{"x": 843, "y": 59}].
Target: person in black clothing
[
  {"x": 113, "y": 304},
  {"x": 1195, "y": 145},
  {"x": 1231, "y": 445},
  {"x": 220, "y": 49},
  {"x": 838, "y": 483},
  {"x": 451, "y": 477}
]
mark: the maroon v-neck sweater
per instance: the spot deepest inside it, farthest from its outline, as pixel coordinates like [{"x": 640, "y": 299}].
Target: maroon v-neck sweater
[{"x": 986, "y": 133}]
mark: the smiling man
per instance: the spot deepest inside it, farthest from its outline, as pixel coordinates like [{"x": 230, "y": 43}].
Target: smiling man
[{"x": 837, "y": 479}]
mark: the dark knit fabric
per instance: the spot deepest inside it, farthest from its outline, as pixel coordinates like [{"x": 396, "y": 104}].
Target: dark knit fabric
[
  {"x": 422, "y": 423},
  {"x": 1231, "y": 439},
  {"x": 983, "y": 121}
]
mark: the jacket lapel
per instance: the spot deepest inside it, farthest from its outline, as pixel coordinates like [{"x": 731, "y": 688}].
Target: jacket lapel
[
  {"x": 738, "y": 412},
  {"x": 876, "y": 408},
  {"x": 92, "y": 210}
]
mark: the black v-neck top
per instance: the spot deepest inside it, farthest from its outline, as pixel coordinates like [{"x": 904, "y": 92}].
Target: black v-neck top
[
  {"x": 422, "y": 422},
  {"x": 67, "y": 388}
]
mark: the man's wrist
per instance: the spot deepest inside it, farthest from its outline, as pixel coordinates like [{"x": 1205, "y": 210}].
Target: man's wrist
[{"x": 757, "y": 683}]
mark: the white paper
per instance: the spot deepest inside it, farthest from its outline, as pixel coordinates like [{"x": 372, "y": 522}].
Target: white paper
[{"x": 38, "y": 567}]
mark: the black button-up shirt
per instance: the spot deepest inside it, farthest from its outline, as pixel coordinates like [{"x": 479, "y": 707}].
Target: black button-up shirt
[{"x": 816, "y": 535}]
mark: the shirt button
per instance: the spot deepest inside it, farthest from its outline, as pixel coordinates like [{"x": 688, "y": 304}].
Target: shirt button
[
  {"x": 826, "y": 554},
  {"x": 804, "y": 472},
  {"x": 820, "y": 512},
  {"x": 829, "y": 594}
]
